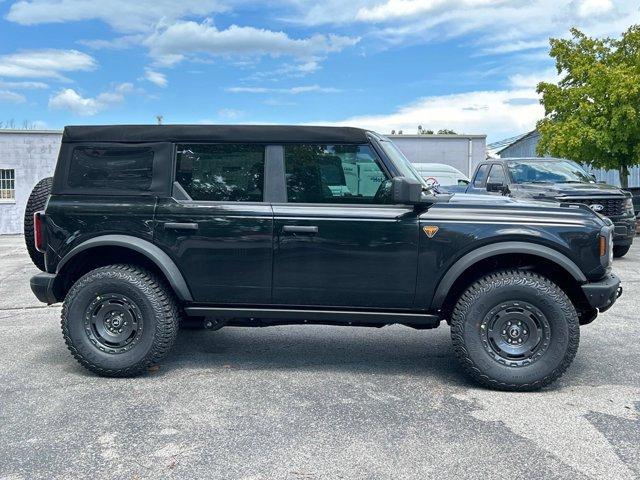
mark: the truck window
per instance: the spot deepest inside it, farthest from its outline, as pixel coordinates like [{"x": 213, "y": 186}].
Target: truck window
[
  {"x": 497, "y": 175},
  {"x": 111, "y": 168},
  {"x": 481, "y": 176},
  {"x": 221, "y": 172},
  {"x": 333, "y": 174}
]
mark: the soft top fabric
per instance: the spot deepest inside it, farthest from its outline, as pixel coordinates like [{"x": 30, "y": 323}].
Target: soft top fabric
[{"x": 213, "y": 133}]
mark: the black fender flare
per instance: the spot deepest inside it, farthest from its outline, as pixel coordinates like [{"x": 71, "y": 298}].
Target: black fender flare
[
  {"x": 152, "y": 252},
  {"x": 468, "y": 260}
]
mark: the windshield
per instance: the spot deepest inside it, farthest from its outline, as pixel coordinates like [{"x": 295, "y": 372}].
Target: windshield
[
  {"x": 399, "y": 160},
  {"x": 552, "y": 171}
]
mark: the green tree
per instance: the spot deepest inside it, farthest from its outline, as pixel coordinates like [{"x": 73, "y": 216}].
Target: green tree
[{"x": 592, "y": 113}]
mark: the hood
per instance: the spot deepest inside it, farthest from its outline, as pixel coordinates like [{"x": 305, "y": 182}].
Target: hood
[
  {"x": 556, "y": 190},
  {"x": 483, "y": 199}
]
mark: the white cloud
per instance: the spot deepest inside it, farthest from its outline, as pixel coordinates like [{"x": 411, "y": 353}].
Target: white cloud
[
  {"x": 49, "y": 63},
  {"x": 409, "y": 8},
  {"x": 13, "y": 97},
  {"x": 531, "y": 80},
  {"x": 171, "y": 43},
  {"x": 122, "y": 15},
  {"x": 496, "y": 26},
  {"x": 118, "y": 43},
  {"x": 230, "y": 113},
  {"x": 24, "y": 85},
  {"x": 157, "y": 78},
  {"x": 499, "y": 114},
  {"x": 586, "y": 8},
  {"x": 289, "y": 91},
  {"x": 69, "y": 99}
]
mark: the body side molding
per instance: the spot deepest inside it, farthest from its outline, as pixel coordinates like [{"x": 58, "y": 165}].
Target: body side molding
[
  {"x": 501, "y": 248},
  {"x": 144, "y": 247}
]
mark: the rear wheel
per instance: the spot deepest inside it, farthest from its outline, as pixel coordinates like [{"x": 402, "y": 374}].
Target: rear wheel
[
  {"x": 620, "y": 250},
  {"x": 36, "y": 202},
  {"x": 119, "y": 320},
  {"x": 515, "y": 330}
]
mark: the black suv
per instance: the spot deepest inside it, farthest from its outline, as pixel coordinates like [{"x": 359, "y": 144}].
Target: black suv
[
  {"x": 558, "y": 180},
  {"x": 270, "y": 225}
]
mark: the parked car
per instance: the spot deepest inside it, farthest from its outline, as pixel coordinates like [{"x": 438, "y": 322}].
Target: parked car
[
  {"x": 559, "y": 180},
  {"x": 272, "y": 225},
  {"x": 441, "y": 174}
]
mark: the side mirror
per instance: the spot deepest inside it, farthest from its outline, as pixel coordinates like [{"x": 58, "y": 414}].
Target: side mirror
[
  {"x": 406, "y": 191},
  {"x": 594, "y": 177},
  {"x": 497, "y": 188}
]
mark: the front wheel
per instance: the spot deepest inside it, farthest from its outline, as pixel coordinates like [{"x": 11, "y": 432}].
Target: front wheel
[
  {"x": 620, "y": 250},
  {"x": 119, "y": 320},
  {"x": 515, "y": 330}
]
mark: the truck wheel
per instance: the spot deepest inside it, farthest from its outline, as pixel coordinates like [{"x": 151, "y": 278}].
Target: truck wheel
[
  {"x": 119, "y": 320},
  {"x": 36, "y": 202},
  {"x": 620, "y": 251},
  {"x": 515, "y": 330}
]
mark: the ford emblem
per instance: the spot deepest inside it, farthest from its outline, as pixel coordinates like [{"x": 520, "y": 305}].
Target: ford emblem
[{"x": 596, "y": 207}]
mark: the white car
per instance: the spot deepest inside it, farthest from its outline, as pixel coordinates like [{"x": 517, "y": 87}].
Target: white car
[{"x": 441, "y": 174}]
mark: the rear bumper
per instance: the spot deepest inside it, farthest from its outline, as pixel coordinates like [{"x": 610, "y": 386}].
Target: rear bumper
[
  {"x": 603, "y": 293},
  {"x": 42, "y": 287}
]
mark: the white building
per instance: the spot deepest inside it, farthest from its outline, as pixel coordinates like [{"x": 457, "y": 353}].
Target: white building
[
  {"x": 463, "y": 152},
  {"x": 26, "y": 156}
]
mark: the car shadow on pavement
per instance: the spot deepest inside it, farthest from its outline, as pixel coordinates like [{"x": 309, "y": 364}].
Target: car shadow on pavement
[{"x": 393, "y": 350}]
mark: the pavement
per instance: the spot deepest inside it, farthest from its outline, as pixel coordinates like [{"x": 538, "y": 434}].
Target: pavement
[{"x": 310, "y": 402}]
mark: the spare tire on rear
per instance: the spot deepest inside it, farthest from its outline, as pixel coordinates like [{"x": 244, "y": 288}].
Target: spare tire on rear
[{"x": 36, "y": 202}]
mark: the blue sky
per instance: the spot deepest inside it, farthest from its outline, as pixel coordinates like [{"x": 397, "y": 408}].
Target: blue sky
[{"x": 469, "y": 65}]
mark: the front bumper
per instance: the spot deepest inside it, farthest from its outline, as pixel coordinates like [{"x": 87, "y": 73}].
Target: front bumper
[
  {"x": 624, "y": 229},
  {"x": 42, "y": 287},
  {"x": 603, "y": 293}
]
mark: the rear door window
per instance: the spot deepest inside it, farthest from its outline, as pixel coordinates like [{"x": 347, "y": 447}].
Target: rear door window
[
  {"x": 111, "y": 168},
  {"x": 221, "y": 172}
]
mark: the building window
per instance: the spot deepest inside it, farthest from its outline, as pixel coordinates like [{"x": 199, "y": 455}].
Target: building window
[{"x": 7, "y": 185}]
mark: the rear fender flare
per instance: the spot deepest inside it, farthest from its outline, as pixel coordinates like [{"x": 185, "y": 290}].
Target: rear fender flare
[
  {"x": 152, "y": 252},
  {"x": 487, "y": 251}
]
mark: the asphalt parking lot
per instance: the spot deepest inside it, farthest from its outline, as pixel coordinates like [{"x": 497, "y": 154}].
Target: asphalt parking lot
[{"x": 310, "y": 402}]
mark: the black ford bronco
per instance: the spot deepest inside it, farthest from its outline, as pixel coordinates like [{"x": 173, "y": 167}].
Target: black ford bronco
[
  {"x": 559, "y": 180},
  {"x": 147, "y": 226}
]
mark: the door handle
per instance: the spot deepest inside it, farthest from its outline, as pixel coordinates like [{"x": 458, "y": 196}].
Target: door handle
[
  {"x": 180, "y": 226},
  {"x": 305, "y": 229}
]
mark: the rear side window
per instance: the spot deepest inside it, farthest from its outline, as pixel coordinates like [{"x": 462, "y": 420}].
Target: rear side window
[
  {"x": 117, "y": 168},
  {"x": 481, "y": 176},
  {"x": 222, "y": 172},
  {"x": 334, "y": 174}
]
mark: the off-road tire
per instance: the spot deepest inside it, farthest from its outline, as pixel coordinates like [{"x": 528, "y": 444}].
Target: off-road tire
[
  {"x": 478, "y": 304},
  {"x": 36, "y": 202},
  {"x": 152, "y": 299},
  {"x": 620, "y": 250}
]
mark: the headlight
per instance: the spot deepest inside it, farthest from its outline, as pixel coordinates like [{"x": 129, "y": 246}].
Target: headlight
[{"x": 628, "y": 205}]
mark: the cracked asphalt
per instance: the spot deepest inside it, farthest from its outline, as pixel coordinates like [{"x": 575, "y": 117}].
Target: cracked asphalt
[{"x": 310, "y": 402}]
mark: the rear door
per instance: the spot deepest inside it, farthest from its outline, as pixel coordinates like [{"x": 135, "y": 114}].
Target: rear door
[
  {"x": 216, "y": 226},
  {"x": 339, "y": 242}
]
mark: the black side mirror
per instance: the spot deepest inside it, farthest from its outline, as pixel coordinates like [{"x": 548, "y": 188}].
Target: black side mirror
[
  {"x": 497, "y": 188},
  {"x": 406, "y": 191},
  {"x": 594, "y": 177}
]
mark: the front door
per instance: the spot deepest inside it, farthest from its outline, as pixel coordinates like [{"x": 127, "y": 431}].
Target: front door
[
  {"x": 217, "y": 227},
  {"x": 338, "y": 240}
]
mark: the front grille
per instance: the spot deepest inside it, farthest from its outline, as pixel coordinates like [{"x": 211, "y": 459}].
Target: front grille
[{"x": 612, "y": 206}]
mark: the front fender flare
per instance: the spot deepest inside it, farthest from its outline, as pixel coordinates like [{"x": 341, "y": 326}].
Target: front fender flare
[
  {"x": 152, "y": 252},
  {"x": 458, "y": 268}
]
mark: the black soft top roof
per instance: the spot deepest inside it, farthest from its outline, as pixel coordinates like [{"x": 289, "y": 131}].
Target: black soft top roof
[{"x": 213, "y": 133}]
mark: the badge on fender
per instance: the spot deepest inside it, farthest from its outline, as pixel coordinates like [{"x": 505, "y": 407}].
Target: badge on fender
[{"x": 430, "y": 230}]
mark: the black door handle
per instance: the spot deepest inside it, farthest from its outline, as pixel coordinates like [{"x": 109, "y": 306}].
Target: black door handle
[
  {"x": 180, "y": 226},
  {"x": 306, "y": 229}
]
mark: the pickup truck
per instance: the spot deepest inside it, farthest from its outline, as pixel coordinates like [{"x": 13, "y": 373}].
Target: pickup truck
[{"x": 558, "y": 180}]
